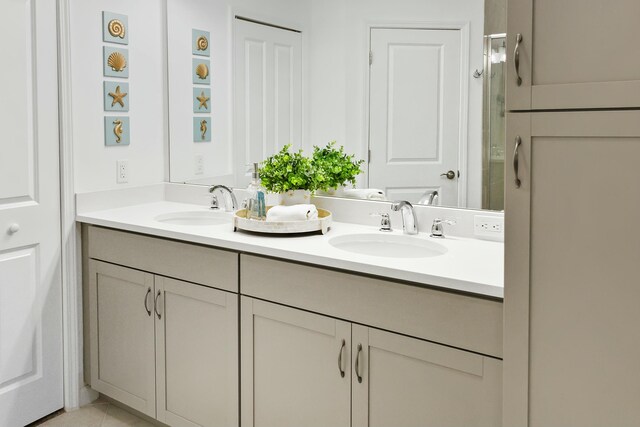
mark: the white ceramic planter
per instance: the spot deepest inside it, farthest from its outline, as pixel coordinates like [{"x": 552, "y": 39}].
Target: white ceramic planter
[{"x": 296, "y": 197}]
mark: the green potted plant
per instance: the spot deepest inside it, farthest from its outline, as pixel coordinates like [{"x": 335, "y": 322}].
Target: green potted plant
[
  {"x": 290, "y": 174},
  {"x": 334, "y": 168}
]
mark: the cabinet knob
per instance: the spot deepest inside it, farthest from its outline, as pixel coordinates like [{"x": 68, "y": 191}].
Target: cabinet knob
[{"x": 14, "y": 228}]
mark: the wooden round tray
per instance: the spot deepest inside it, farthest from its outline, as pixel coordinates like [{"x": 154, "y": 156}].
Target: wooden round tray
[{"x": 323, "y": 224}]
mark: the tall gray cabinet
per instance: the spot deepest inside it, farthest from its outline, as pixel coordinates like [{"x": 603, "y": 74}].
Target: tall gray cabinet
[{"x": 572, "y": 202}]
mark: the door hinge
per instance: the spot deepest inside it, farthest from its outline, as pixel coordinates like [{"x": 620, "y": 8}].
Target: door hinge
[
  {"x": 369, "y": 157},
  {"x": 370, "y": 57}
]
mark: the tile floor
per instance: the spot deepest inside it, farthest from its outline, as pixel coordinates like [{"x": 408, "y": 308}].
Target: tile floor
[{"x": 98, "y": 414}]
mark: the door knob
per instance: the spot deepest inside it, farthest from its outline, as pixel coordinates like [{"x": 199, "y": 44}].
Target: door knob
[
  {"x": 14, "y": 228},
  {"x": 449, "y": 174}
]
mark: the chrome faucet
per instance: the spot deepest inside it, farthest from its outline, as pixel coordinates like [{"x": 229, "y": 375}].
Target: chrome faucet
[
  {"x": 214, "y": 199},
  {"x": 409, "y": 219},
  {"x": 437, "y": 228},
  {"x": 430, "y": 198}
]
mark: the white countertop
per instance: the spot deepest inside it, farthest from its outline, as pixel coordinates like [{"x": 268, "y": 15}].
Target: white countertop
[{"x": 469, "y": 265}]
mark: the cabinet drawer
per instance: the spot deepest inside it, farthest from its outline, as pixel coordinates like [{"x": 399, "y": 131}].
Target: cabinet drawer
[
  {"x": 461, "y": 321},
  {"x": 193, "y": 263}
]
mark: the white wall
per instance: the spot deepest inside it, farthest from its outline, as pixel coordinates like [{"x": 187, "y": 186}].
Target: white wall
[
  {"x": 95, "y": 164},
  {"x": 339, "y": 61},
  {"x": 215, "y": 16}
]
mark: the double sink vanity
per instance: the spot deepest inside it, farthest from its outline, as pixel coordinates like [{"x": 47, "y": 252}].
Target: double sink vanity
[{"x": 194, "y": 324}]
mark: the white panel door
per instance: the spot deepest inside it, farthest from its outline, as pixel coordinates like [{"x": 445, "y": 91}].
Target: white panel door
[
  {"x": 268, "y": 93},
  {"x": 122, "y": 335},
  {"x": 400, "y": 381},
  {"x": 295, "y": 367},
  {"x": 196, "y": 355},
  {"x": 30, "y": 278},
  {"x": 415, "y": 112}
]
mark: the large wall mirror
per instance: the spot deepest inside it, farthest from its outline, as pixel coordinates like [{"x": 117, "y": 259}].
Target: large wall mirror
[{"x": 413, "y": 87}]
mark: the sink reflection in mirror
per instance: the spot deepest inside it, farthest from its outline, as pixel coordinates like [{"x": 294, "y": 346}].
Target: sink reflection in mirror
[
  {"x": 195, "y": 218},
  {"x": 388, "y": 245},
  {"x": 413, "y": 88}
]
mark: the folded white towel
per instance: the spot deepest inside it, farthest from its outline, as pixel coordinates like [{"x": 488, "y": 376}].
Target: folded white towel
[
  {"x": 364, "y": 193},
  {"x": 292, "y": 213}
]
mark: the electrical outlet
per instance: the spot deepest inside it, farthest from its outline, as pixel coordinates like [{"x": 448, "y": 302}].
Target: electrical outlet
[
  {"x": 123, "y": 171},
  {"x": 199, "y": 164},
  {"x": 488, "y": 225}
]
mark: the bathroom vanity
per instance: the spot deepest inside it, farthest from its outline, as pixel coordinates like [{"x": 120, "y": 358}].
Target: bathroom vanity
[{"x": 224, "y": 328}]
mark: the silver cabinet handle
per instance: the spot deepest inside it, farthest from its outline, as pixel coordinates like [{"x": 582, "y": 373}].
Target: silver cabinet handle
[
  {"x": 155, "y": 305},
  {"x": 146, "y": 301},
  {"x": 340, "y": 358},
  {"x": 516, "y": 58},
  {"x": 358, "y": 363},
  {"x": 516, "y": 161}
]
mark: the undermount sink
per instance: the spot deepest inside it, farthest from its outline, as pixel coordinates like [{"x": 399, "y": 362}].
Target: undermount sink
[
  {"x": 195, "y": 218},
  {"x": 388, "y": 245}
]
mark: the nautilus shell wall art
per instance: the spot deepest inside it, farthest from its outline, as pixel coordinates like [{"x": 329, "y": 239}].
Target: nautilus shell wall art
[
  {"x": 115, "y": 28},
  {"x": 200, "y": 71},
  {"x": 116, "y": 62},
  {"x": 200, "y": 42}
]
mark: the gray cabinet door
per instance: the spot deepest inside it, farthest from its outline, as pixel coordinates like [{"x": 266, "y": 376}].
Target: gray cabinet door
[
  {"x": 196, "y": 354},
  {"x": 122, "y": 341},
  {"x": 575, "y": 288},
  {"x": 573, "y": 54},
  {"x": 402, "y": 381},
  {"x": 292, "y": 367}
]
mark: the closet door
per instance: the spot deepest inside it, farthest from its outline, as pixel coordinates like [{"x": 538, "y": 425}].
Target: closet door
[
  {"x": 122, "y": 335},
  {"x": 295, "y": 367},
  {"x": 573, "y": 54},
  {"x": 401, "y": 381},
  {"x": 197, "y": 354},
  {"x": 268, "y": 92},
  {"x": 31, "y": 340}
]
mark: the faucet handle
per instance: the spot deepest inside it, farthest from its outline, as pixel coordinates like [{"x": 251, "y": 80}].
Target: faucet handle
[
  {"x": 385, "y": 221},
  {"x": 444, "y": 221},
  {"x": 215, "y": 204},
  {"x": 437, "y": 228}
]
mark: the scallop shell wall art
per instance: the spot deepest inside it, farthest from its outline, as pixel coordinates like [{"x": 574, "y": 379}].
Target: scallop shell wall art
[
  {"x": 200, "y": 71},
  {"x": 116, "y": 62},
  {"x": 115, "y": 28},
  {"x": 200, "y": 42}
]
